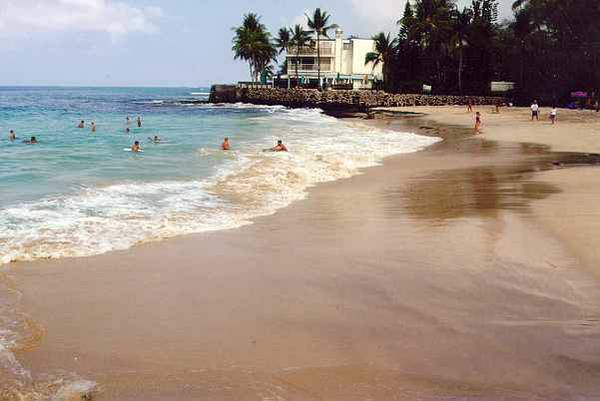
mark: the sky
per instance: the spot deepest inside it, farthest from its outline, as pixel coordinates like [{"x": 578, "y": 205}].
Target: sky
[{"x": 156, "y": 42}]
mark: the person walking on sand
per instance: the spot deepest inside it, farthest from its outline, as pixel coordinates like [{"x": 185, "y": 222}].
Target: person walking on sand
[
  {"x": 477, "y": 123},
  {"x": 139, "y": 121},
  {"x": 469, "y": 106},
  {"x": 535, "y": 111},
  {"x": 11, "y": 135},
  {"x": 553, "y": 114},
  {"x": 225, "y": 145}
]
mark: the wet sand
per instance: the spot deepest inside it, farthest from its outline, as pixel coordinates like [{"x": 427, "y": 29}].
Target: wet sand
[{"x": 440, "y": 275}]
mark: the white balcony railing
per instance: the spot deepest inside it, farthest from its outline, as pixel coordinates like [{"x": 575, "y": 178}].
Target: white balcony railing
[
  {"x": 326, "y": 50},
  {"x": 309, "y": 67}
]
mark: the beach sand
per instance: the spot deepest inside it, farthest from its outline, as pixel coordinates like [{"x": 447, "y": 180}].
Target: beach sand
[{"x": 463, "y": 271}]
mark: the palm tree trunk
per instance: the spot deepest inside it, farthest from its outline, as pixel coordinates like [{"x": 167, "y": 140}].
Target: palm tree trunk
[
  {"x": 318, "y": 60},
  {"x": 297, "y": 60},
  {"x": 460, "y": 67},
  {"x": 385, "y": 76}
]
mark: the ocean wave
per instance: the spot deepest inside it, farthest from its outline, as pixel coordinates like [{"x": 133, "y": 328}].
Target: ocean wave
[{"x": 249, "y": 184}]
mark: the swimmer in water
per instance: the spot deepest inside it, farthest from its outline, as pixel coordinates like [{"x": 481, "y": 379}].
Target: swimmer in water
[
  {"x": 81, "y": 124},
  {"x": 280, "y": 147},
  {"x": 156, "y": 139},
  {"x": 128, "y": 119},
  {"x": 225, "y": 145},
  {"x": 31, "y": 141},
  {"x": 136, "y": 147},
  {"x": 11, "y": 135},
  {"x": 93, "y": 126},
  {"x": 139, "y": 121},
  {"x": 127, "y": 130}
]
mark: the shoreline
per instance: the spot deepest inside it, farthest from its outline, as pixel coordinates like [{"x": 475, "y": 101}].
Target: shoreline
[{"x": 328, "y": 286}]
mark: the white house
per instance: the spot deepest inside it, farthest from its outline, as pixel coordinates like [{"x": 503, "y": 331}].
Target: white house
[{"x": 342, "y": 62}]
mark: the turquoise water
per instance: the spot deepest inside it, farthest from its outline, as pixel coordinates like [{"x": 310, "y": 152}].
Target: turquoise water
[{"x": 78, "y": 193}]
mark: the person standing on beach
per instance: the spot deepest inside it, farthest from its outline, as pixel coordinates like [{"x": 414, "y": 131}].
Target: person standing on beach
[
  {"x": 553, "y": 114},
  {"x": 139, "y": 121},
  {"x": 225, "y": 144},
  {"x": 469, "y": 106},
  {"x": 81, "y": 124},
  {"x": 477, "y": 123},
  {"x": 535, "y": 110},
  {"x": 11, "y": 135}
]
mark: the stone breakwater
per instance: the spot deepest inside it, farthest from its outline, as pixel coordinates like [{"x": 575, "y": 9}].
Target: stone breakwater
[{"x": 339, "y": 99}]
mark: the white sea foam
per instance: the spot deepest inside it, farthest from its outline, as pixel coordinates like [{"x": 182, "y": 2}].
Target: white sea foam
[{"x": 255, "y": 183}]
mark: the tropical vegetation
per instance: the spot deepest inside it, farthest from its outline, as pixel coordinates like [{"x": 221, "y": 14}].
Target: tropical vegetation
[
  {"x": 252, "y": 43},
  {"x": 548, "y": 47}
]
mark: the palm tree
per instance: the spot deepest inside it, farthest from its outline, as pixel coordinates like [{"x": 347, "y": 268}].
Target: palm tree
[
  {"x": 433, "y": 29},
  {"x": 252, "y": 43},
  {"x": 461, "y": 23},
  {"x": 300, "y": 38},
  {"x": 319, "y": 25},
  {"x": 283, "y": 39},
  {"x": 385, "y": 52}
]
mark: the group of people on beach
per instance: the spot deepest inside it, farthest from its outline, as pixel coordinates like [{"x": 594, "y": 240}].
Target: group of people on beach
[{"x": 535, "y": 114}]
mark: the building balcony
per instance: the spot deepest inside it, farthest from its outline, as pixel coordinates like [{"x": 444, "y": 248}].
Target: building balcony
[
  {"x": 326, "y": 50},
  {"x": 325, "y": 67}
]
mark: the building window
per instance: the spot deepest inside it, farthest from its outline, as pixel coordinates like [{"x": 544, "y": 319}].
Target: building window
[{"x": 347, "y": 46}]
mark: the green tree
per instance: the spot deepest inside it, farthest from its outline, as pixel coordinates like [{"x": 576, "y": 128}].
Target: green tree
[
  {"x": 461, "y": 23},
  {"x": 283, "y": 39},
  {"x": 385, "y": 53},
  {"x": 319, "y": 24},
  {"x": 407, "y": 66},
  {"x": 252, "y": 43},
  {"x": 433, "y": 29}
]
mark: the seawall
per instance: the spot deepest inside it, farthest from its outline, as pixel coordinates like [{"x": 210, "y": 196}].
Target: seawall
[{"x": 331, "y": 100}]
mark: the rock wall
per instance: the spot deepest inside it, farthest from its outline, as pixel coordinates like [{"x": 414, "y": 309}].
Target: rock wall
[{"x": 339, "y": 99}]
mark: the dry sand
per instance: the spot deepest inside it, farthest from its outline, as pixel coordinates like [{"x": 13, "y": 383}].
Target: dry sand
[
  {"x": 575, "y": 130},
  {"x": 441, "y": 275}
]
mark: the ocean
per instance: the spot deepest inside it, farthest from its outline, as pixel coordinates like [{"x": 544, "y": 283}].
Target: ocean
[{"x": 78, "y": 193}]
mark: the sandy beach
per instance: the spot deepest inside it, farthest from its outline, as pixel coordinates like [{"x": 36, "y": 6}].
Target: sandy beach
[{"x": 465, "y": 271}]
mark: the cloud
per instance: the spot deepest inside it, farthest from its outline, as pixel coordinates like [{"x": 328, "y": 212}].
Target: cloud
[{"x": 115, "y": 18}]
